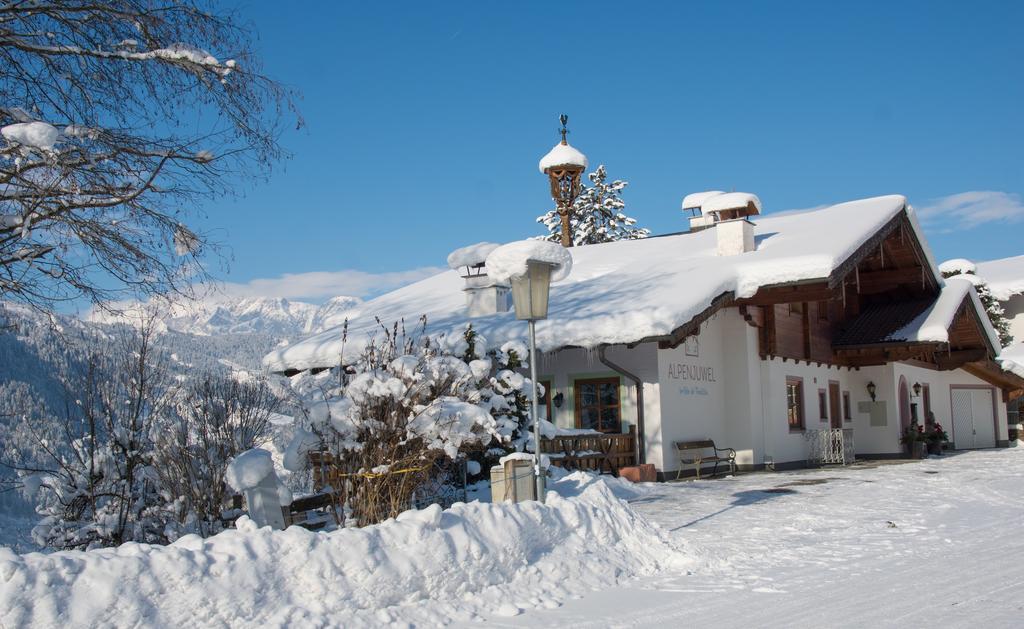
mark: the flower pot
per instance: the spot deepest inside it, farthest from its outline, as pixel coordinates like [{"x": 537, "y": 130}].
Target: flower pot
[
  {"x": 935, "y": 447},
  {"x": 917, "y": 450}
]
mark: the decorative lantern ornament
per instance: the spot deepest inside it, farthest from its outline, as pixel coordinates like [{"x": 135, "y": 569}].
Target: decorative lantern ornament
[
  {"x": 917, "y": 389},
  {"x": 563, "y": 165},
  {"x": 871, "y": 390}
]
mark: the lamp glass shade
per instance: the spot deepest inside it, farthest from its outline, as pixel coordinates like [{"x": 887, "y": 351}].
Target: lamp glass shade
[{"x": 530, "y": 291}]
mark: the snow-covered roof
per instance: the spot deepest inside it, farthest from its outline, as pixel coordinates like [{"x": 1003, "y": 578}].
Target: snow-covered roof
[
  {"x": 624, "y": 291},
  {"x": 563, "y": 155},
  {"x": 1012, "y": 359},
  {"x": 1005, "y": 277},
  {"x": 696, "y": 199},
  {"x": 933, "y": 324},
  {"x": 730, "y": 201},
  {"x": 958, "y": 265},
  {"x": 471, "y": 255}
]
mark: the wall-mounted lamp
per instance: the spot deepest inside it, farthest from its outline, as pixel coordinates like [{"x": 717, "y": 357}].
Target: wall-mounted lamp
[
  {"x": 917, "y": 389},
  {"x": 558, "y": 399},
  {"x": 871, "y": 390}
]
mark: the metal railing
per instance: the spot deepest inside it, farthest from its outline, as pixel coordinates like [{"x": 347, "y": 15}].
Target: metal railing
[{"x": 830, "y": 447}]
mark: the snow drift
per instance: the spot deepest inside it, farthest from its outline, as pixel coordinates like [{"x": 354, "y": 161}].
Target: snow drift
[{"x": 472, "y": 560}]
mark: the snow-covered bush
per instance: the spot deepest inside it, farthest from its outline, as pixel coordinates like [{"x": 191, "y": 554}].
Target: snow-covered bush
[
  {"x": 99, "y": 486},
  {"x": 408, "y": 402},
  {"x": 216, "y": 419},
  {"x": 596, "y": 215}
]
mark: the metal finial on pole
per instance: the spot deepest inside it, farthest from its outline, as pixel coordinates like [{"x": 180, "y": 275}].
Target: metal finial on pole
[{"x": 564, "y": 119}]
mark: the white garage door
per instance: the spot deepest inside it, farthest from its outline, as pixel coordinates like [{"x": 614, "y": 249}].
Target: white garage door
[{"x": 973, "y": 418}]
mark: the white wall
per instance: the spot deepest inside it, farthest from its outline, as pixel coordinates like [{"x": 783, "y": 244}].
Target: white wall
[
  {"x": 693, "y": 386},
  {"x": 869, "y": 439},
  {"x": 782, "y": 444}
]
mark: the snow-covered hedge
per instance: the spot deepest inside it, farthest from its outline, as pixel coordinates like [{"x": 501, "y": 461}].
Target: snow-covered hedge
[
  {"x": 425, "y": 567},
  {"x": 402, "y": 405}
]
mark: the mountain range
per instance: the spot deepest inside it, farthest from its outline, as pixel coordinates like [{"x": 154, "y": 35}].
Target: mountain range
[{"x": 274, "y": 317}]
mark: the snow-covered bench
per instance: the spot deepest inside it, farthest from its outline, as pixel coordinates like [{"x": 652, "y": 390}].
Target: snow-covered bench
[{"x": 704, "y": 452}]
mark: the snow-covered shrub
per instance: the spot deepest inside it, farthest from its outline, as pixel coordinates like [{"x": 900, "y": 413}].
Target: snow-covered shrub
[
  {"x": 596, "y": 215},
  {"x": 216, "y": 419},
  {"x": 406, "y": 403},
  {"x": 99, "y": 486}
]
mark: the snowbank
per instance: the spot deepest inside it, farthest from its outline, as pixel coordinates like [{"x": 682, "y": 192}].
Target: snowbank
[
  {"x": 563, "y": 155},
  {"x": 427, "y": 567},
  {"x": 509, "y": 261}
]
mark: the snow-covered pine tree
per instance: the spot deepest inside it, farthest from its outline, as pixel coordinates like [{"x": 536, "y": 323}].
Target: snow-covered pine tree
[
  {"x": 596, "y": 214},
  {"x": 995, "y": 312}
]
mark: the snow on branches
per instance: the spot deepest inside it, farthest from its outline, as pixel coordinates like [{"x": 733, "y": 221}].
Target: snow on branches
[
  {"x": 596, "y": 216},
  {"x": 115, "y": 117}
]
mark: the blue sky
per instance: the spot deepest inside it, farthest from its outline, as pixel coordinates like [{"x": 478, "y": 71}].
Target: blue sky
[{"x": 425, "y": 121}]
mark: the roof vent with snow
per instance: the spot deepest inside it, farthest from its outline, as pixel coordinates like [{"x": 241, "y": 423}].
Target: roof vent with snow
[
  {"x": 730, "y": 205},
  {"x": 692, "y": 203},
  {"x": 484, "y": 296}
]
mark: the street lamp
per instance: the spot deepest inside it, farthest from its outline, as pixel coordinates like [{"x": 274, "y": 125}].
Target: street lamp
[
  {"x": 563, "y": 165},
  {"x": 530, "y": 297},
  {"x": 530, "y": 266}
]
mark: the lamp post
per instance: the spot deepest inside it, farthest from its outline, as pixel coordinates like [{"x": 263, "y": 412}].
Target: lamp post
[
  {"x": 563, "y": 165},
  {"x": 530, "y": 297}
]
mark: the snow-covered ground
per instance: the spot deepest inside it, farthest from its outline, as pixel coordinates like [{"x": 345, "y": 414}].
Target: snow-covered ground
[{"x": 934, "y": 543}]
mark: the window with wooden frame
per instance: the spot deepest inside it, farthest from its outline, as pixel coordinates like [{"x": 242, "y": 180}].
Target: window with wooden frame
[
  {"x": 823, "y": 405},
  {"x": 822, "y": 311},
  {"x": 796, "y": 307},
  {"x": 847, "y": 417},
  {"x": 795, "y": 402},
  {"x": 545, "y": 400},
  {"x": 597, "y": 404}
]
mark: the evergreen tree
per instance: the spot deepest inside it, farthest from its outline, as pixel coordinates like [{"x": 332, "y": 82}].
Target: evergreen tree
[
  {"x": 993, "y": 309},
  {"x": 596, "y": 214}
]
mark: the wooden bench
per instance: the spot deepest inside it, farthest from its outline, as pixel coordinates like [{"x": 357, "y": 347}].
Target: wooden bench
[{"x": 696, "y": 453}]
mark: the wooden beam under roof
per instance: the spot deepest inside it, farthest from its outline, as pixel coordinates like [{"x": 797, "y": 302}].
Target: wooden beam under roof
[{"x": 789, "y": 293}]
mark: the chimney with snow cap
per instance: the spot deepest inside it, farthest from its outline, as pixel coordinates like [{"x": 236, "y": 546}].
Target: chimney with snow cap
[
  {"x": 733, "y": 229},
  {"x": 692, "y": 203},
  {"x": 484, "y": 296}
]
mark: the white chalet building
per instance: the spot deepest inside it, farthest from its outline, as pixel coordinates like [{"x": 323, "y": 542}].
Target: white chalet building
[{"x": 759, "y": 335}]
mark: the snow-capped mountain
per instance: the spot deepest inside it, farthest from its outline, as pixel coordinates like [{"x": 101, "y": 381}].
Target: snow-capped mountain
[{"x": 275, "y": 317}]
